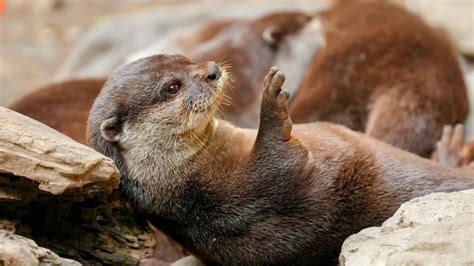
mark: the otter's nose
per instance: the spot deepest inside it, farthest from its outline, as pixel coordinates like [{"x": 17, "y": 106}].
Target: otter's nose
[{"x": 213, "y": 72}]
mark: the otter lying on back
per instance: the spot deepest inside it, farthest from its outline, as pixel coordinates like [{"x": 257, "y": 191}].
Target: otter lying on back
[{"x": 282, "y": 194}]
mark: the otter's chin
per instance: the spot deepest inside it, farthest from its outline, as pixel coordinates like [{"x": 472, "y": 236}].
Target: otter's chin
[{"x": 202, "y": 117}]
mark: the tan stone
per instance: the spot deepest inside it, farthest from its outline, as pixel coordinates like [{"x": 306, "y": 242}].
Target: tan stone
[
  {"x": 437, "y": 229},
  {"x": 188, "y": 261},
  {"x": 17, "y": 250},
  {"x": 56, "y": 163}
]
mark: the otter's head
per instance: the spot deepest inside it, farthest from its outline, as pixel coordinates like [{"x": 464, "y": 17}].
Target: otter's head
[
  {"x": 275, "y": 27},
  {"x": 151, "y": 105}
]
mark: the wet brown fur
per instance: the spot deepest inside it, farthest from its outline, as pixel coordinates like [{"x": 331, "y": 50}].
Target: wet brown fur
[
  {"x": 386, "y": 73},
  {"x": 281, "y": 195}
]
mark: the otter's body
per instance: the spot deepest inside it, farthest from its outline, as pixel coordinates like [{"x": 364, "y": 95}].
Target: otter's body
[
  {"x": 278, "y": 195},
  {"x": 384, "y": 72},
  {"x": 232, "y": 205}
]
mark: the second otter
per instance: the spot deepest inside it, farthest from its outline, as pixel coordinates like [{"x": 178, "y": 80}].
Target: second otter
[{"x": 282, "y": 194}]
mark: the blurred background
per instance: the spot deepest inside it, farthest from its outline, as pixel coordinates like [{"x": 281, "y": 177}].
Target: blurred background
[{"x": 43, "y": 41}]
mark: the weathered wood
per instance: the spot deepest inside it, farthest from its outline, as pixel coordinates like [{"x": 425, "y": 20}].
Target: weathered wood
[
  {"x": 64, "y": 196},
  {"x": 58, "y": 164}
]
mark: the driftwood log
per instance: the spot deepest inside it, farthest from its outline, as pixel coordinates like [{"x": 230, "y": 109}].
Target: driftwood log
[{"x": 63, "y": 195}]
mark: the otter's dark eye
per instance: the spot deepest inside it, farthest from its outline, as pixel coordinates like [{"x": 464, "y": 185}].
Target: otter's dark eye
[{"x": 173, "y": 88}]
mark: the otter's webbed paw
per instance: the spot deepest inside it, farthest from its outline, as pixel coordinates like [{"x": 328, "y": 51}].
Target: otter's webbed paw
[
  {"x": 452, "y": 150},
  {"x": 274, "y": 119}
]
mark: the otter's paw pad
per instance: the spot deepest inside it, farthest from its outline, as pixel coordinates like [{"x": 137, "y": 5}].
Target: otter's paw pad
[
  {"x": 452, "y": 150},
  {"x": 274, "y": 114},
  {"x": 273, "y": 96},
  {"x": 273, "y": 82}
]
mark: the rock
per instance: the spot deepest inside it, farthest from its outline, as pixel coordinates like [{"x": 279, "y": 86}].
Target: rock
[
  {"x": 188, "y": 261},
  {"x": 48, "y": 160},
  {"x": 64, "y": 195},
  {"x": 455, "y": 17},
  {"x": 18, "y": 250},
  {"x": 437, "y": 229}
]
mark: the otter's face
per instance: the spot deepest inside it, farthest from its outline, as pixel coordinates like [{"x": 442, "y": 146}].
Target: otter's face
[{"x": 159, "y": 97}]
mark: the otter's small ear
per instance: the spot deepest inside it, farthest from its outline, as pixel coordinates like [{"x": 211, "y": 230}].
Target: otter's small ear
[
  {"x": 272, "y": 36},
  {"x": 110, "y": 129}
]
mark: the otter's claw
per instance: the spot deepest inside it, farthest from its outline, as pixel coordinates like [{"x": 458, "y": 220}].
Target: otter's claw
[
  {"x": 451, "y": 150},
  {"x": 274, "y": 114}
]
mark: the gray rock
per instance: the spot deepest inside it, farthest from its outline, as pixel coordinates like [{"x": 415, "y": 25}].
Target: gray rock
[
  {"x": 18, "y": 250},
  {"x": 188, "y": 261},
  {"x": 437, "y": 229}
]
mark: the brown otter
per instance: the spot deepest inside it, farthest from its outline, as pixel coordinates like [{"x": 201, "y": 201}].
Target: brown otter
[
  {"x": 385, "y": 72},
  {"x": 283, "y": 194},
  {"x": 250, "y": 48},
  {"x": 65, "y": 106}
]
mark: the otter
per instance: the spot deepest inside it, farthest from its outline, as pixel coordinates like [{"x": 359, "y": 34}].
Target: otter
[
  {"x": 249, "y": 47},
  {"x": 64, "y": 106},
  {"x": 384, "y": 72},
  {"x": 281, "y": 194}
]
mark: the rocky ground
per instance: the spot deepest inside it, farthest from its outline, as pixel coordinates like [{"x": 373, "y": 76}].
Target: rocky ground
[
  {"x": 437, "y": 229},
  {"x": 45, "y": 178}
]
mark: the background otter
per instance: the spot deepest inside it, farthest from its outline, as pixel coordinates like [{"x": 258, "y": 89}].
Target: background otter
[
  {"x": 248, "y": 48},
  {"x": 397, "y": 80},
  {"x": 65, "y": 106},
  {"x": 384, "y": 72},
  {"x": 287, "y": 194}
]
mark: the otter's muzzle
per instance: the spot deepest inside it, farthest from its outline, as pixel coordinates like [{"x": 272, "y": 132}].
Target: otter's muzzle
[{"x": 213, "y": 72}]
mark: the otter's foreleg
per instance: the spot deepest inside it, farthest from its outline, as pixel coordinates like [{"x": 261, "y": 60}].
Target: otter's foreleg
[
  {"x": 275, "y": 124},
  {"x": 274, "y": 144}
]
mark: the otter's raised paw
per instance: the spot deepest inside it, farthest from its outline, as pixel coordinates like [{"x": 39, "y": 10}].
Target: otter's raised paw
[
  {"x": 274, "y": 114},
  {"x": 452, "y": 150}
]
